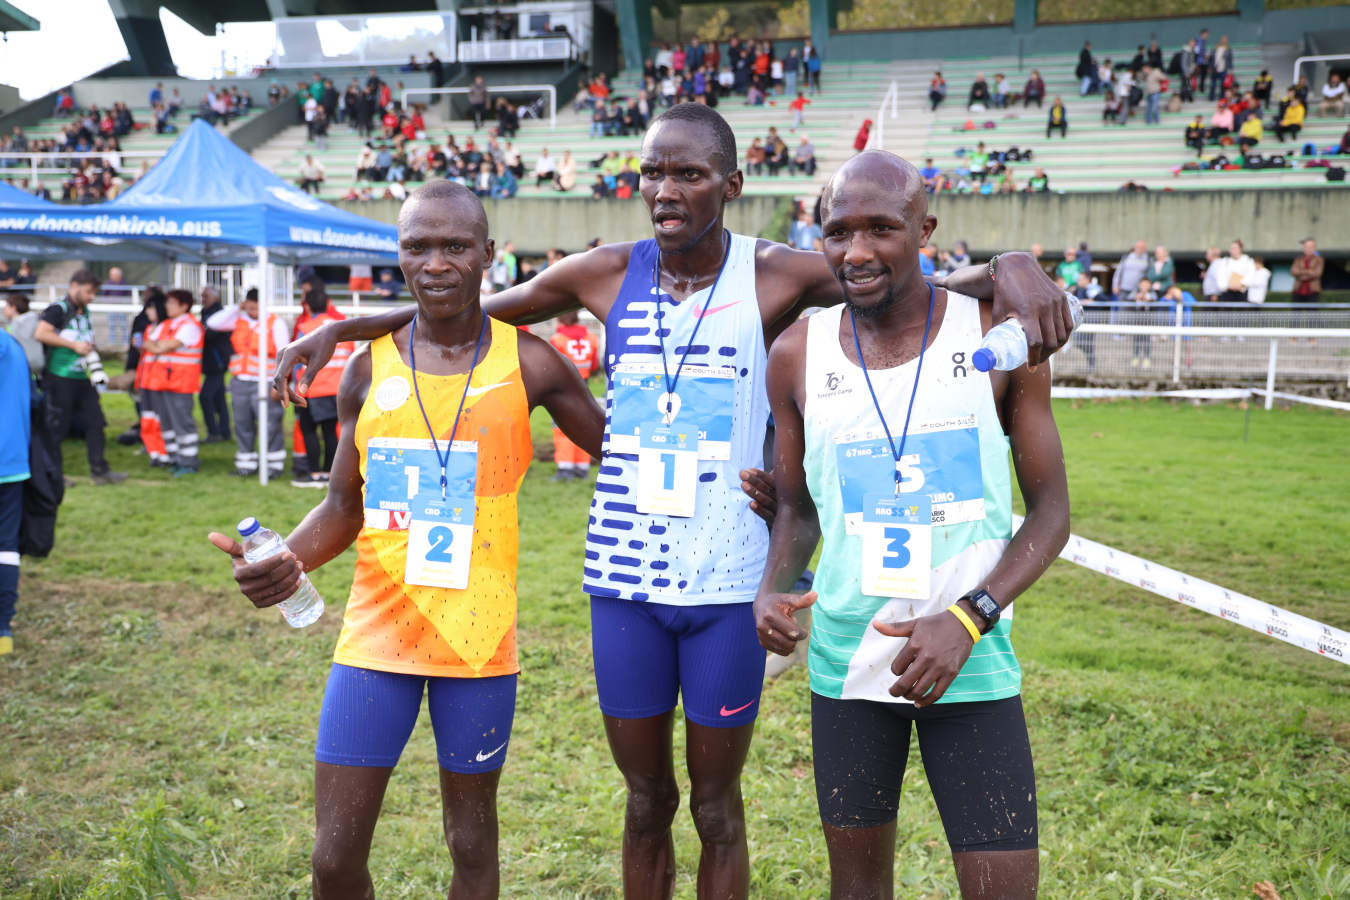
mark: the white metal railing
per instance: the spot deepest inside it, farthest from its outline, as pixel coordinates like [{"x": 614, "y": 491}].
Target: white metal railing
[
  {"x": 547, "y": 89},
  {"x": 60, "y": 161},
  {"x": 1298, "y": 63},
  {"x": 891, "y": 98},
  {"x": 518, "y": 50}
]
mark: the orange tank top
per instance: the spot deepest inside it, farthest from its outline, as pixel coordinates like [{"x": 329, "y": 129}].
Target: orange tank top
[{"x": 397, "y": 627}]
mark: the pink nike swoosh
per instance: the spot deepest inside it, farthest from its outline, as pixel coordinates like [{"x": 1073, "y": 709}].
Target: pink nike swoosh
[
  {"x": 731, "y": 712},
  {"x": 712, "y": 309}
]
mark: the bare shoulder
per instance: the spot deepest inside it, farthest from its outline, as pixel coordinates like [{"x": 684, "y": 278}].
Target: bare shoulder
[
  {"x": 355, "y": 383},
  {"x": 790, "y": 347}
]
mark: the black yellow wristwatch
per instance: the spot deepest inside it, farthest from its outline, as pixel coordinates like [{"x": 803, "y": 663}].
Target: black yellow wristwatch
[{"x": 985, "y": 607}]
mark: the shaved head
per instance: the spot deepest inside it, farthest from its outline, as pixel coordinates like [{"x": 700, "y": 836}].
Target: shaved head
[
  {"x": 465, "y": 201},
  {"x": 878, "y": 172}
]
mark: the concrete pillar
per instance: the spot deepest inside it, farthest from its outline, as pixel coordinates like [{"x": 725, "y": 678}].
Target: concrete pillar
[
  {"x": 635, "y": 31},
  {"x": 138, "y": 21},
  {"x": 1024, "y": 16},
  {"x": 823, "y": 16}
]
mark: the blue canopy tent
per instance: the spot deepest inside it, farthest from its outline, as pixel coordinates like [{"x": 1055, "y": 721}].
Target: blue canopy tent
[{"x": 206, "y": 200}]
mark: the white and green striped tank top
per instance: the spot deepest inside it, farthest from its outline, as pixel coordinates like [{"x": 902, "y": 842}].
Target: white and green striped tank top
[{"x": 956, "y": 452}]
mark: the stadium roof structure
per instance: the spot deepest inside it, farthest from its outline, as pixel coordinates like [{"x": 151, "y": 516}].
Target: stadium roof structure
[
  {"x": 205, "y": 200},
  {"x": 14, "y": 19}
]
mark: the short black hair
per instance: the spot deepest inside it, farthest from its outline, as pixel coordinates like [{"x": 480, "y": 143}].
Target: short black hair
[
  {"x": 182, "y": 296},
  {"x": 724, "y": 139},
  {"x": 84, "y": 276},
  {"x": 445, "y": 189}
]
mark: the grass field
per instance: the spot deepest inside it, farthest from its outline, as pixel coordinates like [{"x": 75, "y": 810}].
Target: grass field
[{"x": 156, "y": 726}]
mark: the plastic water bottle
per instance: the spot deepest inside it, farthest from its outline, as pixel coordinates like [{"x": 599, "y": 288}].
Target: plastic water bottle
[
  {"x": 304, "y": 606},
  {"x": 1005, "y": 346}
]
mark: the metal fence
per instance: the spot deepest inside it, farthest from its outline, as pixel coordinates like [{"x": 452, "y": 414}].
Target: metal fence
[{"x": 1210, "y": 342}]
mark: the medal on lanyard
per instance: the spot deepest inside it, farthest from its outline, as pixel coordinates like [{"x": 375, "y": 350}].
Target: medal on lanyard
[
  {"x": 440, "y": 530},
  {"x": 897, "y": 529},
  {"x": 668, "y": 447}
]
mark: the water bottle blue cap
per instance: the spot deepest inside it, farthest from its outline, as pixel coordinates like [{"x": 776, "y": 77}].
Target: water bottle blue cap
[
  {"x": 248, "y": 526},
  {"x": 983, "y": 359}
]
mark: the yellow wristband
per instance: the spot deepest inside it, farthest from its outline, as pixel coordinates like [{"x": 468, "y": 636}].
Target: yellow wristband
[{"x": 965, "y": 620}]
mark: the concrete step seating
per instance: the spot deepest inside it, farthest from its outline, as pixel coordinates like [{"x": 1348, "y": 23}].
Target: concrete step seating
[
  {"x": 1097, "y": 156},
  {"x": 830, "y": 121}
]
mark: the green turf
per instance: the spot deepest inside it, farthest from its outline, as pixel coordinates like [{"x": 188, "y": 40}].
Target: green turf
[{"x": 1178, "y": 755}]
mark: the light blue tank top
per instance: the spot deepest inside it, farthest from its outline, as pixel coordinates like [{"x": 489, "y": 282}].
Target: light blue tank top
[{"x": 717, "y": 556}]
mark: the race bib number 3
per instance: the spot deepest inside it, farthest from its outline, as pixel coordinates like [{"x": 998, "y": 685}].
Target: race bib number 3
[
  {"x": 667, "y": 470},
  {"x": 440, "y": 539},
  {"x": 941, "y": 461},
  {"x": 897, "y": 546}
]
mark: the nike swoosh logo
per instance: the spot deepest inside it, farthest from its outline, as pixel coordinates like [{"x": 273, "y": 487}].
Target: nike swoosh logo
[
  {"x": 475, "y": 391},
  {"x": 484, "y": 757},
  {"x": 712, "y": 309},
  {"x": 731, "y": 712}
]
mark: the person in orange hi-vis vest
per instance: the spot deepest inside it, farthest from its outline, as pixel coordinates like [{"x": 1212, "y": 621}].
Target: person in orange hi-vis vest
[
  {"x": 152, "y": 436},
  {"x": 175, "y": 377},
  {"x": 581, "y": 347},
  {"x": 246, "y": 333},
  {"x": 320, "y": 416},
  {"x": 300, "y": 464}
]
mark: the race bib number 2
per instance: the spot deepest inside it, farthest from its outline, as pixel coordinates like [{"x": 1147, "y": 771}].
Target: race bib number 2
[
  {"x": 897, "y": 545},
  {"x": 440, "y": 540}
]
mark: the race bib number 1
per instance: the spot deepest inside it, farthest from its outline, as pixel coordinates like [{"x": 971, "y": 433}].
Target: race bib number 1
[
  {"x": 440, "y": 539},
  {"x": 897, "y": 545},
  {"x": 667, "y": 470}
]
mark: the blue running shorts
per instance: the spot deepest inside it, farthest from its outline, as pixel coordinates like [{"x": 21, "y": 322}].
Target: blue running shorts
[
  {"x": 649, "y": 654},
  {"x": 368, "y": 715}
]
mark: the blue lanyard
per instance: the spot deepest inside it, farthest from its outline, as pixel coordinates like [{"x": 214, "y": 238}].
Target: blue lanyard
[
  {"x": 412, "y": 362},
  {"x": 656, "y": 279},
  {"x": 914, "y": 393}
]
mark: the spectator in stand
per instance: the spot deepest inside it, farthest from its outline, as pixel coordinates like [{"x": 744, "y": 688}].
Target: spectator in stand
[
  {"x": 216, "y": 351},
  {"x": 544, "y": 169},
  {"x": 1162, "y": 271},
  {"x": 665, "y": 59},
  {"x": 175, "y": 377},
  {"x": 1195, "y": 135},
  {"x": 504, "y": 185},
  {"x": 1125, "y": 93},
  {"x": 1221, "y": 123},
  {"x": 1070, "y": 267},
  {"x": 1262, "y": 88},
  {"x": 1221, "y": 67},
  {"x": 937, "y": 91},
  {"x": 930, "y": 174},
  {"x": 1058, "y": 119},
  {"x": 388, "y": 287},
  {"x": 792, "y": 70},
  {"x": 565, "y": 179},
  {"x": 1086, "y": 72},
  {"x": 804, "y": 159},
  {"x": 798, "y": 107},
  {"x": 1132, "y": 267},
  {"x": 1110, "y": 106},
  {"x": 68, "y": 333},
  {"x": 1185, "y": 68},
  {"x": 979, "y": 163},
  {"x": 1307, "y": 272},
  {"x": 1038, "y": 183},
  {"x": 1143, "y": 295},
  {"x": 813, "y": 65},
  {"x": 21, "y": 322},
  {"x": 478, "y": 100},
  {"x": 1202, "y": 59},
  {"x": 1333, "y": 97},
  {"x": 1234, "y": 273},
  {"x": 959, "y": 257},
  {"x": 1034, "y": 91},
  {"x": 311, "y": 175},
  {"x": 754, "y": 158},
  {"x": 116, "y": 285},
  {"x": 249, "y": 336},
  {"x": 1251, "y": 132},
  {"x": 1291, "y": 122},
  {"x": 1153, "y": 88},
  {"x": 805, "y": 233},
  {"x": 1000, "y": 91},
  {"x": 979, "y": 94},
  {"x": 1154, "y": 54}
]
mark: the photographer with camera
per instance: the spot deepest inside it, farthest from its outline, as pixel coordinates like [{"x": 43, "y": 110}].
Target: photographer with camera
[{"x": 73, "y": 370}]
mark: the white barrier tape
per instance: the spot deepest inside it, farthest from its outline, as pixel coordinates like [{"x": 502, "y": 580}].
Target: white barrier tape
[
  {"x": 1333, "y": 643},
  {"x": 1312, "y": 401},
  {"x": 1082, "y": 393}
]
